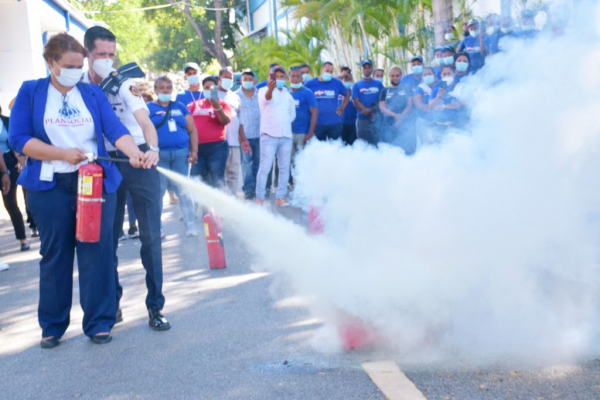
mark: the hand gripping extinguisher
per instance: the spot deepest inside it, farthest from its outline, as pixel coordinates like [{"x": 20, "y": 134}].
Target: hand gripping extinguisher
[
  {"x": 89, "y": 203},
  {"x": 214, "y": 241}
]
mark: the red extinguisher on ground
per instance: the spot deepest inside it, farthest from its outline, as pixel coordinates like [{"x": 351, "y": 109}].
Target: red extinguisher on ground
[
  {"x": 214, "y": 241},
  {"x": 316, "y": 223},
  {"x": 89, "y": 203}
]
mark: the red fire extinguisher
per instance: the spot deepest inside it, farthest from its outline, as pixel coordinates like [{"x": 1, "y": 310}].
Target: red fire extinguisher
[
  {"x": 316, "y": 225},
  {"x": 89, "y": 203},
  {"x": 214, "y": 241}
]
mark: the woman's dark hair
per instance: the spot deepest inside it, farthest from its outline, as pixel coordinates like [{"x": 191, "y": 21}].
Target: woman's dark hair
[
  {"x": 210, "y": 79},
  {"x": 60, "y": 44},
  {"x": 97, "y": 32},
  {"x": 450, "y": 67},
  {"x": 463, "y": 54},
  {"x": 430, "y": 69}
]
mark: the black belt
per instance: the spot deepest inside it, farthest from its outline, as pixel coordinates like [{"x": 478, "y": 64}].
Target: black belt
[{"x": 117, "y": 154}]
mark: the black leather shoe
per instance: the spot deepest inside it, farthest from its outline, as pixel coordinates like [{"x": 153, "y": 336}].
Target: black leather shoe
[
  {"x": 50, "y": 342},
  {"x": 157, "y": 321},
  {"x": 25, "y": 246},
  {"x": 101, "y": 339},
  {"x": 119, "y": 316}
]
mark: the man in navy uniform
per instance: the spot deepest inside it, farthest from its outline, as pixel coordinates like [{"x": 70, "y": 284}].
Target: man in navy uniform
[{"x": 142, "y": 184}]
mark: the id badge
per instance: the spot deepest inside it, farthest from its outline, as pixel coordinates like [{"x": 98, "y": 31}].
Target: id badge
[
  {"x": 47, "y": 171},
  {"x": 172, "y": 125}
]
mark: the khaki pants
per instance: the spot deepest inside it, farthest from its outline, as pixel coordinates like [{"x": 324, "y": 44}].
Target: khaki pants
[{"x": 232, "y": 169}]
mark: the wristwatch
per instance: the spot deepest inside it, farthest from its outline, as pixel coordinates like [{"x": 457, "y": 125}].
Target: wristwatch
[
  {"x": 154, "y": 148},
  {"x": 7, "y": 172}
]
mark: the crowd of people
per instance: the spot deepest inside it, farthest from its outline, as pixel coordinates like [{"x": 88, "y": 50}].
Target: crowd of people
[{"x": 207, "y": 131}]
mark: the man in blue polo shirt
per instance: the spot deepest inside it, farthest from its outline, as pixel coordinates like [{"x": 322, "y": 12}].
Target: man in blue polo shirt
[
  {"x": 474, "y": 45},
  {"x": 365, "y": 96},
  {"x": 327, "y": 90},
  {"x": 416, "y": 77},
  {"x": 193, "y": 93},
  {"x": 307, "y": 112}
]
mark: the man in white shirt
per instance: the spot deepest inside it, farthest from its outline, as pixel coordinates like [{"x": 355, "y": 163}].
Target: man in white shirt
[
  {"x": 233, "y": 165},
  {"x": 277, "y": 112},
  {"x": 142, "y": 184}
]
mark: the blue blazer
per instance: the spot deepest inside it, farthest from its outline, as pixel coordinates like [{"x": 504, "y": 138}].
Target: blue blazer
[{"x": 27, "y": 122}]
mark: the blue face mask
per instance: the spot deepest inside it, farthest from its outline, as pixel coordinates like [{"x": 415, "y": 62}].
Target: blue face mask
[
  {"x": 280, "y": 83},
  {"x": 206, "y": 94},
  {"x": 428, "y": 79},
  {"x": 296, "y": 85},
  {"x": 327, "y": 76},
  {"x": 449, "y": 60},
  {"x": 348, "y": 85},
  {"x": 193, "y": 80},
  {"x": 378, "y": 79},
  {"x": 248, "y": 85},
  {"x": 306, "y": 77},
  {"x": 417, "y": 69},
  {"x": 165, "y": 98},
  {"x": 462, "y": 66}
]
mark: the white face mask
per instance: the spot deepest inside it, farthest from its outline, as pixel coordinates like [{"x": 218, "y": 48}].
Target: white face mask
[
  {"x": 103, "y": 67},
  {"x": 448, "y": 79},
  {"x": 226, "y": 83},
  {"x": 69, "y": 76}
]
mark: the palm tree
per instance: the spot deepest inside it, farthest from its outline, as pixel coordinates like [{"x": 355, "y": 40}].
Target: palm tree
[{"x": 442, "y": 17}]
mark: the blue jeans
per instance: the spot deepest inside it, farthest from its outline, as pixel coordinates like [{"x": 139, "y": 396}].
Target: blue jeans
[
  {"x": 250, "y": 163},
  {"x": 212, "y": 158},
  {"x": 269, "y": 146},
  {"x": 144, "y": 186},
  {"x": 324, "y": 132},
  {"x": 54, "y": 213},
  {"x": 177, "y": 161}
]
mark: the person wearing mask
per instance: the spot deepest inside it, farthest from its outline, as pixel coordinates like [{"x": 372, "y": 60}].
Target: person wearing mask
[
  {"x": 465, "y": 30},
  {"x": 365, "y": 96},
  {"x": 305, "y": 70},
  {"x": 178, "y": 142},
  {"x": 395, "y": 103},
  {"x": 232, "y": 167},
  {"x": 528, "y": 30},
  {"x": 493, "y": 33},
  {"x": 438, "y": 60},
  {"x": 474, "y": 45},
  {"x": 277, "y": 112},
  {"x": 451, "y": 38},
  {"x": 413, "y": 80},
  {"x": 249, "y": 133},
  {"x": 378, "y": 74},
  {"x": 508, "y": 34},
  {"x": 307, "y": 112},
  {"x": 60, "y": 120},
  {"x": 462, "y": 66},
  {"x": 194, "y": 92},
  {"x": 10, "y": 173},
  {"x": 211, "y": 116},
  {"x": 446, "y": 110},
  {"x": 448, "y": 58},
  {"x": 142, "y": 184},
  {"x": 350, "y": 113},
  {"x": 327, "y": 90},
  {"x": 262, "y": 84},
  {"x": 423, "y": 94}
]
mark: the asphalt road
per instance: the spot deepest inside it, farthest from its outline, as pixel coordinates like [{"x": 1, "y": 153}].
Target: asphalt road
[{"x": 237, "y": 334}]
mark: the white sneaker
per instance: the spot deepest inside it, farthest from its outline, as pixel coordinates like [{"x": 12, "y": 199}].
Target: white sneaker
[
  {"x": 191, "y": 231},
  {"x": 3, "y": 267}
]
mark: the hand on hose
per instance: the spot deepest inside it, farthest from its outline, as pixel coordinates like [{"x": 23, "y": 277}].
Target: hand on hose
[
  {"x": 136, "y": 160},
  {"x": 150, "y": 159}
]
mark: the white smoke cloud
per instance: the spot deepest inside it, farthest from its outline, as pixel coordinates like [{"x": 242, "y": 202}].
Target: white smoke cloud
[{"x": 484, "y": 247}]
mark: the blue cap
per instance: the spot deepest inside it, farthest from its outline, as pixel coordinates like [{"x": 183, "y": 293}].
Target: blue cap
[
  {"x": 366, "y": 61},
  {"x": 417, "y": 58}
]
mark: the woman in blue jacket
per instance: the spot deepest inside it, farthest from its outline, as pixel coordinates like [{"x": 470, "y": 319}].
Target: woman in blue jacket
[{"x": 57, "y": 120}]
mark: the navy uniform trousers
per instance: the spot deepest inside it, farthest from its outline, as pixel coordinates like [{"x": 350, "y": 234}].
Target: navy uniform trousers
[
  {"x": 54, "y": 213},
  {"x": 144, "y": 187}
]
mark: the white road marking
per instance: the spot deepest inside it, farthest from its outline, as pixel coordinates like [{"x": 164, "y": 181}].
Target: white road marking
[{"x": 391, "y": 381}]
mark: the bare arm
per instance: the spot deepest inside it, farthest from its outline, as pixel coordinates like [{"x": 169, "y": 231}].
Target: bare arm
[
  {"x": 345, "y": 102},
  {"x": 193, "y": 133},
  {"x": 314, "y": 116},
  {"x": 150, "y": 135}
]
